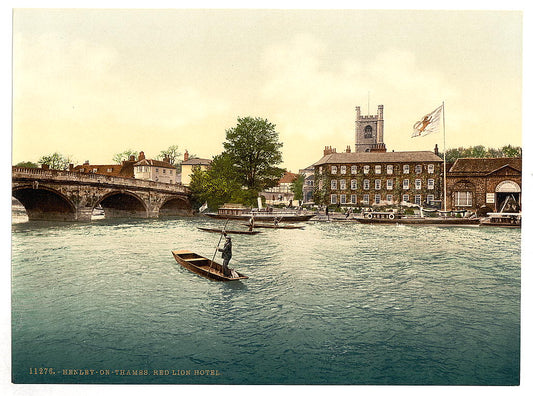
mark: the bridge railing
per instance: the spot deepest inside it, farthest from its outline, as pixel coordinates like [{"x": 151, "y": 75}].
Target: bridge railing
[{"x": 51, "y": 174}]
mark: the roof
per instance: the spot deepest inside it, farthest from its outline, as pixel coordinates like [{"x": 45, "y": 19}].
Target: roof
[
  {"x": 151, "y": 162},
  {"x": 100, "y": 169},
  {"x": 288, "y": 177},
  {"x": 197, "y": 161},
  {"x": 369, "y": 157},
  {"x": 484, "y": 165}
]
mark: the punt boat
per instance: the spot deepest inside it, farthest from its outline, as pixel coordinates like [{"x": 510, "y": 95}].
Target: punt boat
[{"x": 205, "y": 267}]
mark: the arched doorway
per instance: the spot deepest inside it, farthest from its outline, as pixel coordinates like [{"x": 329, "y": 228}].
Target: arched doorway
[{"x": 508, "y": 197}]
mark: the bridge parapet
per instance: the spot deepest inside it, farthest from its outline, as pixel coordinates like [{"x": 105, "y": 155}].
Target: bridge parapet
[{"x": 93, "y": 178}]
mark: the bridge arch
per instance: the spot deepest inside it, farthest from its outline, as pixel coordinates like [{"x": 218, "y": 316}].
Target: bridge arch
[
  {"x": 45, "y": 203},
  {"x": 120, "y": 204},
  {"x": 175, "y": 206}
]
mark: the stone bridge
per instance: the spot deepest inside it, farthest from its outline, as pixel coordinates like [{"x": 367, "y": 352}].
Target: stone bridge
[{"x": 72, "y": 196}]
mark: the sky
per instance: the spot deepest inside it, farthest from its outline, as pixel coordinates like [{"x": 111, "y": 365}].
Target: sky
[{"x": 90, "y": 83}]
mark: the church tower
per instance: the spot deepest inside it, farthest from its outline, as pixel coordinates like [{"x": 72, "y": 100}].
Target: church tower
[{"x": 369, "y": 132}]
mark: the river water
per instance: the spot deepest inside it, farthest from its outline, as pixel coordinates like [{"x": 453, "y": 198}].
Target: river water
[{"x": 334, "y": 303}]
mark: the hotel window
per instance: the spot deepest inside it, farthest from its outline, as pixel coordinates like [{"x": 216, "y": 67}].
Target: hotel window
[
  {"x": 389, "y": 197},
  {"x": 418, "y": 199},
  {"x": 353, "y": 184},
  {"x": 430, "y": 198},
  {"x": 418, "y": 169},
  {"x": 377, "y": 169},
  {"x": 354, "y": 169},
  {"x": 431, "y": 184},
  {"x": 343, "y": 184},
  {"x": 334, "y": 184},
  {"x": 431, "y": 168},
  {"x": 405, "y": 198},
  {"x": 377, "y": 184},
  {"x": 343, "y": 170},
  {"x": 366, "y": 184},
  {"x": 463, "y": 198},
  {"x": 320, "y": 170},
  {"x": 320, "y": 184},
  {"x": 390, "y": 169},
  {"x": 353, "y": 198},
  {"x": 109, "y": 170},
  {"x": 418, "y": 184},
  {"x": 366, "y": 199},
  {"x": 406, "y": 169},
  {"x": 333, "y": 199},
  {"x": 333, "y": 170},
  {"x": 406, "y": 184},
  {"x": 95, "y": 170},
  {"x": 390, "y": 184},
  {"x": 156, "y": 170},
  {"x": 377, "y": 199},
  {"x": 366, "y": 169},
  {"x": 164, "y": 171},
  {"x": 343, "y": 198}
]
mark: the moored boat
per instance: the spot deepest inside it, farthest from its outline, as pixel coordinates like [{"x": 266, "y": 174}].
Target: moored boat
[
  {"x": 395, "y": 218},
  {"x": 219, "y": 231},
  {"x": 509, "y": 220},
  {"x": 204, "y": 266},
  {"x": 286, "y": 226},
  {"x": 240, "y": 212}
]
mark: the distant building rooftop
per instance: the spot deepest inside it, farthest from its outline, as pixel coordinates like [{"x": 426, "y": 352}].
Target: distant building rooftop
[{"x": 392, "y": 156}]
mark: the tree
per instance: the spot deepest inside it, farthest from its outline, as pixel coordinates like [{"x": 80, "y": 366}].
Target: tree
[
  {"x": 297, "y": 187},
  {"x": 217, "y": 185},
  {"x": 27, "y": 164},
  {"x": 253, "y": 148},
  {"x": 124, "y": 156},
  {"x": 482, "y": 152},
  {"x": 172, "y": 153},
  {"x": 55, "y": 161}
]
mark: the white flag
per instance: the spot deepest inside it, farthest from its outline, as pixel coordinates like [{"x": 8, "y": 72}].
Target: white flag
[
  {"x": 429, "y": 123},
  {"x": 203, "y": 207}
]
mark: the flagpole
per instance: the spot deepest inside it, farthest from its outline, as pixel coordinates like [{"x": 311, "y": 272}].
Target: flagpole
[{"x": 444, "y": 135}]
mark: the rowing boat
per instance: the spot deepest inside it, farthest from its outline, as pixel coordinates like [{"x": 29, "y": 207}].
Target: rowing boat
[
  {"x": 219, "y": 231},
  {"x": 204, "y": 266}
]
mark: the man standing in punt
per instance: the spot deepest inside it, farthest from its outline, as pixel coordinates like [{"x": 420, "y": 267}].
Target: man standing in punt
[{"x": 226, "y": 254}]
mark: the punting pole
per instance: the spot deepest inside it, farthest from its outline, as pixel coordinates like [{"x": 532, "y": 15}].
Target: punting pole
[{"x": 444, "y": 136}]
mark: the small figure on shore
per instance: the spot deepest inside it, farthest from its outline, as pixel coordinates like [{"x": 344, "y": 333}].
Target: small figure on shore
[
  {"x": 327, "y": 212},
  {"x": 226, "y": 254},
  {"x": 276, "y": 221},
  {"x": 251, "y": 224}
]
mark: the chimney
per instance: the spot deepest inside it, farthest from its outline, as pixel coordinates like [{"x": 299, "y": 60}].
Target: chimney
[
  {"x": 141, "y": 156},
  {"x": 86, "y": 162},
  {"x": 70, "y": 167},
  {"x": 186, "y": 156},
  {"x": 166, "y": 159},
  {"x": 348, "y": 149},
  {"x": 132, "y": 158},
  {"x": 436, "y": 149},
  {"x": 45, "y": 166}
]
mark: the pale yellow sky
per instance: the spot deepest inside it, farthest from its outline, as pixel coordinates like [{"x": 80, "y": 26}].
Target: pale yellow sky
[{"x": 90, "y": 83}]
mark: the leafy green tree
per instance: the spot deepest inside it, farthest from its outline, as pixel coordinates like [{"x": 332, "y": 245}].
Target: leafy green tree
[
  {"x": 511, "y": 151},
  {"x": 27, "y": 164},
  {"x": 172, "y": 153},
  {"x": 56, "y": 161},
  {"x": 124, "y": 156},
  {"x": 217, "y": 185},
  {"x": 253, "y": 148},
  {"x": 297, "y": 187}
]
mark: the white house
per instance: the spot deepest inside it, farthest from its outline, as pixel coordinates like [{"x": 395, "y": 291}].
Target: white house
[{"x": 159, "y": 171}]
